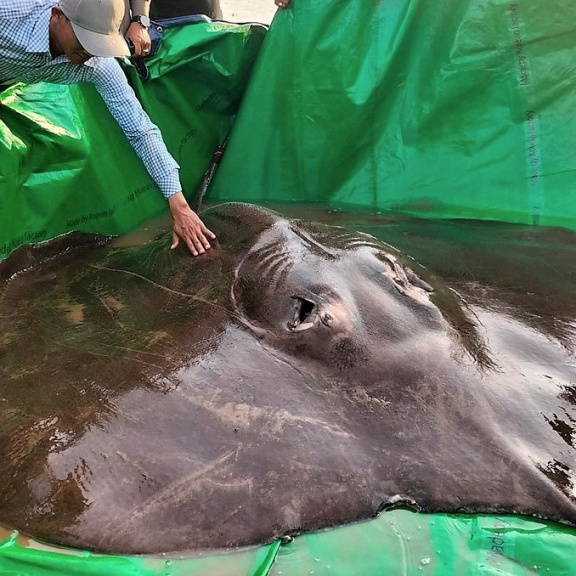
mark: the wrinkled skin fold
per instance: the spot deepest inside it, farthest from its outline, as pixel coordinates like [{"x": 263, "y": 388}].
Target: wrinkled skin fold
[{"x": 296, "y": 377}]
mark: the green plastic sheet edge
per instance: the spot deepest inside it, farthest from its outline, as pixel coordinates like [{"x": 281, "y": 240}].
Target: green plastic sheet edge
[{"x": 396, "y": 542}]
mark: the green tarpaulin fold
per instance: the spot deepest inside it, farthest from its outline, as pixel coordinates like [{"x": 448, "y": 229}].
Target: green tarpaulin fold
[
  {"x": 64, "y": 163},
  {"x": 443, "y": 109}
]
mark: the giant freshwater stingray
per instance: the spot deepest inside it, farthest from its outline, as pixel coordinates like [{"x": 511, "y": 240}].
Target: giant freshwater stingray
[{"x": 298, "y": 376}]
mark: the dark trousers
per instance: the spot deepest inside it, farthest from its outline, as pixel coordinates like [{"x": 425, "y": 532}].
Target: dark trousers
[{"x": 161, "y": 9}]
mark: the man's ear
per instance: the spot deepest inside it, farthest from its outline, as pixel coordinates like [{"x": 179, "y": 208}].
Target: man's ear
[
  {"x": 57, "y": 12},
  {"x": 56, "y": 27}
]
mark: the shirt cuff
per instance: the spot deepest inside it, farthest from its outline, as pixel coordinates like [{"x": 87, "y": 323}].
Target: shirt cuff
[{"x": 169, "y": 184}]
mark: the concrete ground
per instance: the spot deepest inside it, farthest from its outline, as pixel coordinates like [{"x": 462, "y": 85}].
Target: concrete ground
[{"x": 248, "y": 10}]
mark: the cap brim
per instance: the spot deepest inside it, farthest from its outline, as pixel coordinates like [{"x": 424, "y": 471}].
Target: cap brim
[{"x": 106, "y": 45}]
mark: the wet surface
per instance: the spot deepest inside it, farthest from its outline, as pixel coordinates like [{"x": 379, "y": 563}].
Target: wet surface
[{"x": 297, "y": 377}]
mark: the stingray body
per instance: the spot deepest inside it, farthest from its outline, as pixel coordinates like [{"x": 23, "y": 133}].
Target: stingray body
[{"x": 298, "y": 376}]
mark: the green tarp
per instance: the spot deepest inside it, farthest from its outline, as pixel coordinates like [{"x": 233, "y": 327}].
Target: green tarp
[
  {"x": 442, "y": 109},
  {"x": 398, "y": 542},
  {"x": 64, "y": 163}
]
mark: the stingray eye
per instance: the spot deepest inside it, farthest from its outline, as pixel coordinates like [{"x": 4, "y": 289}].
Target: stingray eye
[
  {"x": 415, "y": 280},
  {"x": 305, "y": 314},
  {"x": 403, "y": 277}
]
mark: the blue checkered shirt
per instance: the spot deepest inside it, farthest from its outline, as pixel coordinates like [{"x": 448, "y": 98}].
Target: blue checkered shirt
[{"x": 25, "y": 57}]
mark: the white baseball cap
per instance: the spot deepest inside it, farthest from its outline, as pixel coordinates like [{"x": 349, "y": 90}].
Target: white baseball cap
[{"x": 96, "y": 24}]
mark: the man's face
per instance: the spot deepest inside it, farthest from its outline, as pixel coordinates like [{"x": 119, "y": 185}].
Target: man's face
[{"x": 64, "y": 41}]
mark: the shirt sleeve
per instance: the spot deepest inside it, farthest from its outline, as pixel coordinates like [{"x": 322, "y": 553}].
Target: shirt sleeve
[
  {"x": 144, "y": 136},
  {"x": 140, "y": 7}
]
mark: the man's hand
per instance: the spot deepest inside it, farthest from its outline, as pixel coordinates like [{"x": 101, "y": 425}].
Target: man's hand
[
  {"x": 187, "y": 226},
  {"x": 140, "y": 38},
  {"x": 282, "y": 3}
]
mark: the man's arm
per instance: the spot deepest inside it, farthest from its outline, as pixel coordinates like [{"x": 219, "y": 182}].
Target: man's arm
[
  {"x": 136, "y": 32},
  {"x": 146, "y": 140}
]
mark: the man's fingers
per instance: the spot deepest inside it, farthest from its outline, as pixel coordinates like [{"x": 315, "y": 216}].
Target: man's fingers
[
  {"x": 200, "y": 241},
  {"x": 208, "y": 233},
  {"x": 194, "y": 246},
  {"x": 204, "y": 235},
  {"x": 175, "y": 241},
  {"x": 198, "y": 245}
]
